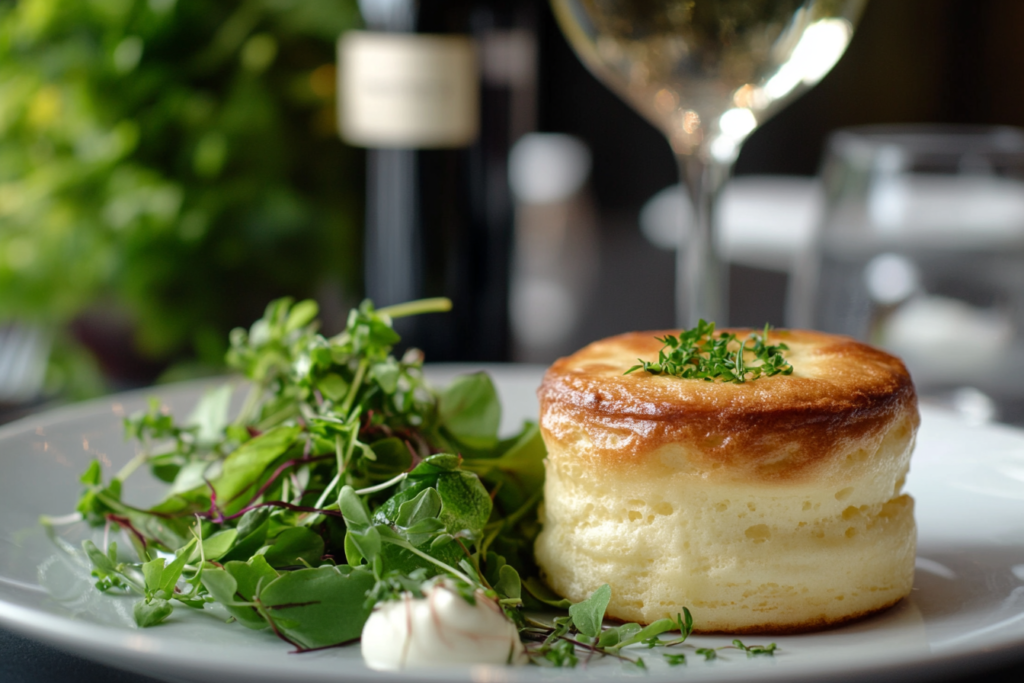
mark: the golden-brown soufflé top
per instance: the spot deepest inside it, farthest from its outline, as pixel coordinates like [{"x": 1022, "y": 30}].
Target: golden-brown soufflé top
[{"x": 783, "y": 428}]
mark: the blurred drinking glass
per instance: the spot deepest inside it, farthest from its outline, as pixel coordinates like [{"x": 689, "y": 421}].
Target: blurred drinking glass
[
  {"x": 707, "y": 73},
  {"x": 922, "y": 251}
]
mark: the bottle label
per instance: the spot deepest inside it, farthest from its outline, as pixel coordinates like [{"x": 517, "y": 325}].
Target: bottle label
[{"x": 407, "y": 90}]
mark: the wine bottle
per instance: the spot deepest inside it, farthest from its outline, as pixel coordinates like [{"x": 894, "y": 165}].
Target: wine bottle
[{"x": 437, "y": 91}]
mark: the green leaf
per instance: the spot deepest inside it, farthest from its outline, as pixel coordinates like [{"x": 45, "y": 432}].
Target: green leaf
[
  {"x": 301, "y": 315},
  {"x": 244, "y": 467},
  {"x": 589, "y": 614},
  {"x": 152, "y": 612},
  {"x": 509, "y": 583},
  {"x": 210, "y": 415},
  {"x": 99, "y": 560},
  {"x": 172, "y": 572},
  {"x": 426, "y": 504},
  {"x": 386, "y": 374},
  {"x": 436, "y": 464},
  {"x": 254, "y": 539},
  {"x": 466, "y": 505},
  {"x": 152, "y": 572},
  {"x": 353, "y": 509},
  {"x": 650, "y": 631},
  {"x": 424, "y": 531},
  {"x": 319, "y": 607},
  {"x": 248, "y": 575},
  {"x": 189, "y": 477},
  {"x": 470, "y": 411},
  {"x": 366, "y": 544},
  {"x": 223, "y": 587},
  {"x": 540, "y": 592},
  {"x": 294, "y": 545},
  {"x": 618, "y": 634},
  {"x": 399, "y": 559},
  {"x": 392, "y": 455},
  {"x": 253, "y": 520},
  {"x": 352, "y": 553},
  {"x": 525, "y": 458},
  {"x": 218, "y": 545},
  {"x": 221, "y": 584},
  {"x": 333, "y": 387},
  {"x": 93, "y": 475}
]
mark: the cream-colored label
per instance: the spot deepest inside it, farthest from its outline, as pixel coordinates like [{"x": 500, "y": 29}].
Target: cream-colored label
[{"x": 407, "y": 90}]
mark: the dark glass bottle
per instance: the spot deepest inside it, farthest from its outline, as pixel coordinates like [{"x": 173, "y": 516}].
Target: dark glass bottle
[{"x": 438, "y": 90}]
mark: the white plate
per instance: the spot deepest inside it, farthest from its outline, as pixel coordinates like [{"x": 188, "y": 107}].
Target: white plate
[{"x": 967, "y": 608}]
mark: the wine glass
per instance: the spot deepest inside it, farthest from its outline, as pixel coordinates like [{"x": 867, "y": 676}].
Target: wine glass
[{"x": 707, "y": 73}]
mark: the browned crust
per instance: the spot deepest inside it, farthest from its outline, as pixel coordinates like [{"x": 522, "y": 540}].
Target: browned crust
[{"x": 773, "y": 428}]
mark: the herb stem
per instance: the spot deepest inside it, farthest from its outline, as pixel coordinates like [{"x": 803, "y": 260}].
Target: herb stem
[
  {"x": 354, "y": 389},
  {"x": 381, "y": 487},
  {"x": 71, "y": 518},
  {"x": 433, "y": 560},
  {"x": 435, "y": 305},
  {"x": 131, "y": 465},
  {"x": 327, "y": 491}
]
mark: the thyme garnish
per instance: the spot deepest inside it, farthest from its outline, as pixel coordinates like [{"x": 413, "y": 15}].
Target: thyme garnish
[{"x": 698, "y": 354}]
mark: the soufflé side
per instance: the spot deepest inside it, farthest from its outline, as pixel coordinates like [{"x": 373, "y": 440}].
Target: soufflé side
[{"x": 770, "y": 506}]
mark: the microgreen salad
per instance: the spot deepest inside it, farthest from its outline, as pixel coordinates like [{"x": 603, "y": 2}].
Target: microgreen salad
[{"x": 345, "y": 481}]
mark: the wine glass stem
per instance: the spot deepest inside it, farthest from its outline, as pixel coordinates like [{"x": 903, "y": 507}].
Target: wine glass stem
[{"x": 701, "y": 272}]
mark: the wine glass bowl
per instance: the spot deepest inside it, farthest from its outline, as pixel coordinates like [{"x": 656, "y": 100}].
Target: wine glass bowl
[{"x": 707, "y": 73}]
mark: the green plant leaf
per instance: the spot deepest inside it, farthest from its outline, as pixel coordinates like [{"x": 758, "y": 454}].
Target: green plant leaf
[
  {"x": 650, "y": 631},
  {"x": 589, "y": 614},
  {"x": 366, "y": 543},
  {"x": 319, "y": 607},
  {"x": 243, "y": 468},
  {"x": 224, "y": 588},
  {"x": 151, "y": 612},
  {"x": 333, "y": 386},
  {"x": 152, "y": 572},
  {"x": 93, "y": 475},
  {"x": 294, "y": 545},
  {"x": 466, "y": 505},
  {"x": 470, "y": 411},
  {"x": 218, "y": 545},
  {"x": 99, "y": 560},
  {"x": 615, "y": 635},
  {"x": 302, "y": 314},
  {"x": 392, "y": 455},
  {"x": 353, "y": 509},
  {"x": 426, "y": 504},
  {"x": 424, "y": 531},
  {"x": 540, "y": 592},
  {"x": 252, "y": 541},
  {"x": 248, "y": 575},
  {"x": 509, "y": 584},
  {"x": 210, "y": 416}
]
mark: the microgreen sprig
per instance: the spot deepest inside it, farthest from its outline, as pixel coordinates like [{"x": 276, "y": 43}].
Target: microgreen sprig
[{"x": 698, "y": 354}]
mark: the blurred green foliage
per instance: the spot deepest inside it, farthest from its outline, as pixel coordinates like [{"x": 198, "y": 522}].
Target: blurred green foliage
[{"x": 173, "y": 161}]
